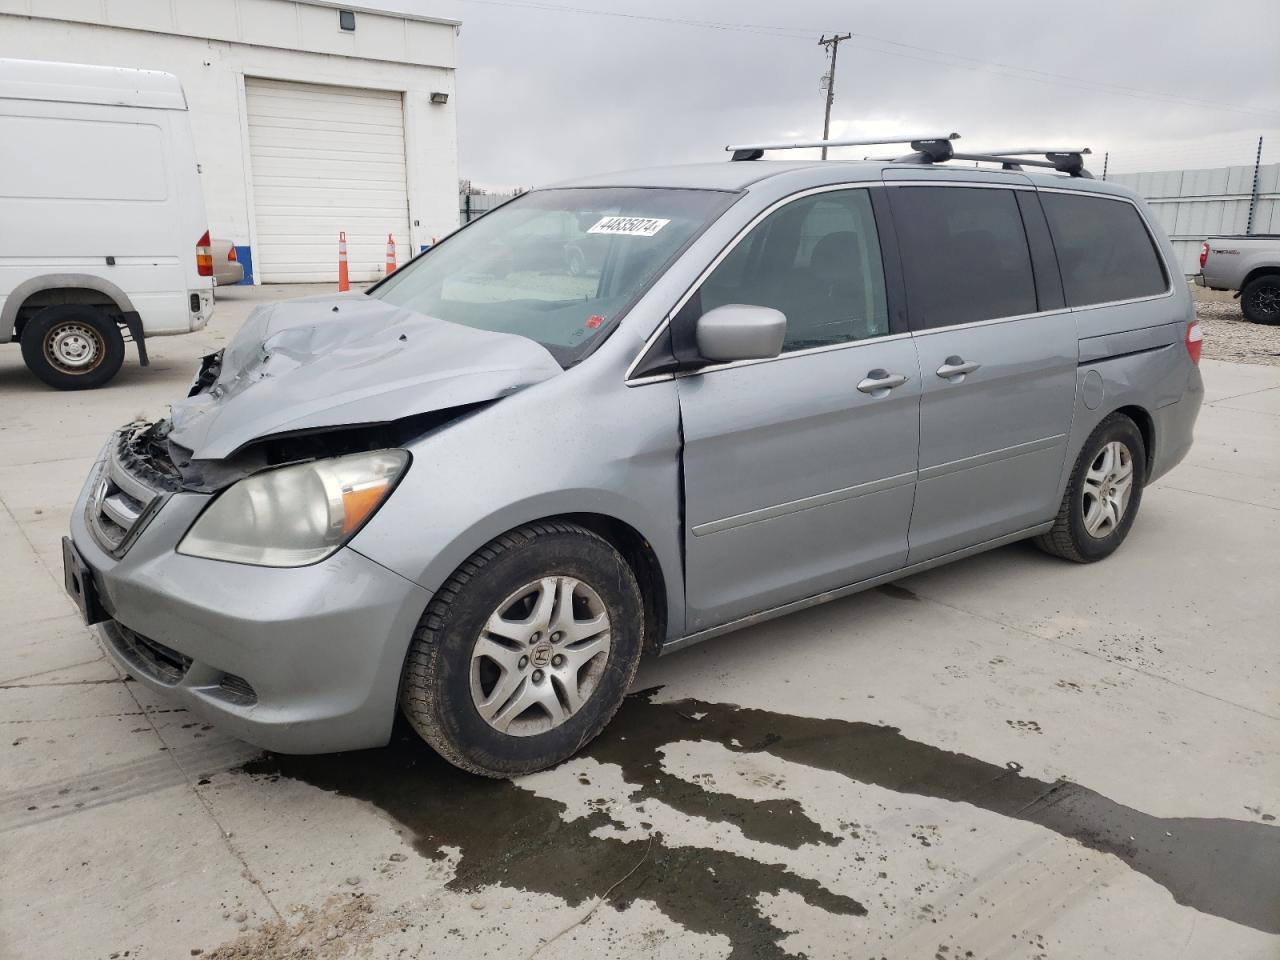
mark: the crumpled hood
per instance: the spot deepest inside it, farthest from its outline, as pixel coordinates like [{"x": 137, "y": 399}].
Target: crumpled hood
[{"x": 348, "y": 359}]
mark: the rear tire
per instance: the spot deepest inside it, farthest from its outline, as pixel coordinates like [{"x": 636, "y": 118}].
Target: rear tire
[
  {"x": 1260, "y": 300},
  {"x": 73, "y": 347},
  {"x": 505, "y": 676},
  {"x": 1103, "y": 496}
]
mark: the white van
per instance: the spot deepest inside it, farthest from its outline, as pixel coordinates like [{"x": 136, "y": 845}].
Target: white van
[{"x": 102, "y": 223}]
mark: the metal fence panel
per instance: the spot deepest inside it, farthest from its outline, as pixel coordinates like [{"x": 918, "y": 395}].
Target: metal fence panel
[{"x": 473, "y": 205}]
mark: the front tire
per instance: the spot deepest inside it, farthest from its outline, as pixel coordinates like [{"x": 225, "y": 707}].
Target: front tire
[
  {"x": 1260, "y": 300},
  {"x": 525, "y": 654},
  {"x": 1103, "y": 495},
  {"x": 73, "y": 347}
]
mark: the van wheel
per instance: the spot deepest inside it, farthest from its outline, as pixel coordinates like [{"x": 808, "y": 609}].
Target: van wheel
[
  {"x": 72, "y": 347},
  {"x": 525, "y": 654},
  {"x": 1260, "y": 300},
  {"x": 1103, "y": 496}
]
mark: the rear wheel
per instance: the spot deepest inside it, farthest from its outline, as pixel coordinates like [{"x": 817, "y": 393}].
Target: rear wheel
[
  {"x": 1103, "y": 495},
  {"x": 73, "y": 347},
  {"x": 526, "y": 652},
  {"x": 1260, "y": 300}
]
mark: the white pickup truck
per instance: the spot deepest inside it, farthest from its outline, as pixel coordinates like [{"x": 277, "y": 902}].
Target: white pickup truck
[
  {"x": 1249, "y": 265},
  {"x": 102, "y": 222}
]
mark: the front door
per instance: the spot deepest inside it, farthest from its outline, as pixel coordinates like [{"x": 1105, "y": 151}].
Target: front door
[
  {"x": 998, "y": 355},
  {"x": 799, "y": 471}
]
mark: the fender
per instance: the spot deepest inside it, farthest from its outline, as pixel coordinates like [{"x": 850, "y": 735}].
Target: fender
[
  {"x": 62, "y": 281},
  {"x": 445, "y": 559}
]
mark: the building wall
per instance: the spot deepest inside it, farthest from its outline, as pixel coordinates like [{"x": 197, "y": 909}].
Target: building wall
[
  {"x": 1194, "y": 204},
  {"x": 212, "y": 45}
]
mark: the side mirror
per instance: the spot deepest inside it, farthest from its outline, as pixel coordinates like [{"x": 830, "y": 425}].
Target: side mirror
[{"x": 739, "y": 331}]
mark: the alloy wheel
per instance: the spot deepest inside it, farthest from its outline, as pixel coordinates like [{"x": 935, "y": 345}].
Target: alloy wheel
[
  {"x": 1266, "y": 300},
  {"x": 1106, "y": 489},
  {"x": 540, "y": 656}
]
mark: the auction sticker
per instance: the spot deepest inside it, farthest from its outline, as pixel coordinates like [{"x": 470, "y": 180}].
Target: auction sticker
[{"x": 629, "y": 226}]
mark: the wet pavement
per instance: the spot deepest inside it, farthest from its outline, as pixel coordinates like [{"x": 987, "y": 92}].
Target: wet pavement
[{"x": 1009, "y": 757}]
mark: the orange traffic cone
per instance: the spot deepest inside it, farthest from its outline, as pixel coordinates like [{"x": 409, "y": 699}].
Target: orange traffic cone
[
  {"x": 344, "y": 283},
  {"x": 391, "y": 255}
]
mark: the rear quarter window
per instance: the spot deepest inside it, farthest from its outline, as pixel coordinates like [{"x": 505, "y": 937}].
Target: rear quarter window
[{"x": 1104, "y": 249}]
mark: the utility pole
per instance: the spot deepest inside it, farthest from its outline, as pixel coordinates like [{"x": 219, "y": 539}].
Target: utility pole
[{"x": 832, "y": 43}]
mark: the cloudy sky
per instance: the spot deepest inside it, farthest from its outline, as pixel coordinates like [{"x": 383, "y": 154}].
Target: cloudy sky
[{"x": 547, "y": 89}]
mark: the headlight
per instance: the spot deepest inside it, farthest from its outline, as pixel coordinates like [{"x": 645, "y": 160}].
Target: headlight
[{"x": 297, "y": 515}]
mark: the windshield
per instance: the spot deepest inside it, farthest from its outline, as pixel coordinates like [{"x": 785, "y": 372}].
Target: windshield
[{"x": 557, "y": 266}]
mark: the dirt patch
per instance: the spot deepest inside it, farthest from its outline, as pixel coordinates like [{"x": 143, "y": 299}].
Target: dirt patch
[
  {"x": 340, "y": 927},
  {"x": 1229, "y": 336}
]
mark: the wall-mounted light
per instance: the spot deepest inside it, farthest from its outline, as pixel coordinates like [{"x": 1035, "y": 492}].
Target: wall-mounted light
[
  {"x": 347, "y": 20},
  {"x": 439, "y": 96}
]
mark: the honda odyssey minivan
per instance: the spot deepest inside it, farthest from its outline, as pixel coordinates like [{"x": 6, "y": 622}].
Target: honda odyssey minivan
[{"x": 480, "y": 491}]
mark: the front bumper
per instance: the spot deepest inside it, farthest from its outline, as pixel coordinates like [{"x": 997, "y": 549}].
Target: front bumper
[{"x": 302, "y": 660}]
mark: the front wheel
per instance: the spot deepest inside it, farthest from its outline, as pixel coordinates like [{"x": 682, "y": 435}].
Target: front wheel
[
  {"x": 525, "y": 654},
  {"x": 1103, "y": 495},
  {"x": 73, "y": 347},
  {"x": 1260, "y": 300}
]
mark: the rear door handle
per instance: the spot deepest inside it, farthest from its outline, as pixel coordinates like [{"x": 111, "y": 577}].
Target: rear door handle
[
  {"x": 954, "y": 369},
  {"x": 880, "y": 382}
]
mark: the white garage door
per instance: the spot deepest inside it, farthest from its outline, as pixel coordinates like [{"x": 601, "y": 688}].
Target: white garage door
[{"x": 325, "y": 159}]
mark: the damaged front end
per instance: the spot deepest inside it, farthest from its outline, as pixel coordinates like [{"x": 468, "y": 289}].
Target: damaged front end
[
  {"x": 155, "y": 450},
  {"x": 327, "y": 377},
  {"x": 136, "y": 478}
]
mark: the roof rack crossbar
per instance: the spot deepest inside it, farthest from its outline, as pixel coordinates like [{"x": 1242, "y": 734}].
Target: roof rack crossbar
[
  {"x": 1069, "y": 160},
  {"x": 1009, "y": 160},
  {"x": 926, "y": 144}
]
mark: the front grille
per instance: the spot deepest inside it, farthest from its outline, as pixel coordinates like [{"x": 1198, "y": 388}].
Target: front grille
[
  {"x": 157, "y": 661},
  {"x": 131, "y": 486}
]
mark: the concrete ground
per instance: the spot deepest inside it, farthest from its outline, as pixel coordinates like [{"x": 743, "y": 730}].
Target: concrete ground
[{"x": 1009, "y": 757}]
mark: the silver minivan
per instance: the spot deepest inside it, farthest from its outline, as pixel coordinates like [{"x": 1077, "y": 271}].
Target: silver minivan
[{"x": 625, "y": 414}]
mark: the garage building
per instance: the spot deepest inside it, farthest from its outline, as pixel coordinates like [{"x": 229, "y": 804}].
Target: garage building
[{"x": 309, "y": 117}]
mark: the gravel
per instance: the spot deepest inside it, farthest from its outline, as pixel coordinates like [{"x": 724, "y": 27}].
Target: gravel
[{"x": 1229, "y": 336}]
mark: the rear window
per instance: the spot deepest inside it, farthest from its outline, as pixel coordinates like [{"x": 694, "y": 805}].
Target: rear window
[
  {"x": 964, "y": 255},
  {"x": 1104, "y": 249}
]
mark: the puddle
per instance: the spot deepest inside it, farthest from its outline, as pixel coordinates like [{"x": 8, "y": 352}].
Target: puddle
[{"x": 509, "y": 836}]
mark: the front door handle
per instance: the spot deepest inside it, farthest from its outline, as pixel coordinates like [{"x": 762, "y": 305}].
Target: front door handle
[
  {"x": 880, "y": 382},
  {"x": 954, "y": 369}
]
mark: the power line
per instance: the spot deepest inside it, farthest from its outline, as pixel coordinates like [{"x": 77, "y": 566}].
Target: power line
[{"x": 972, "y": 63}]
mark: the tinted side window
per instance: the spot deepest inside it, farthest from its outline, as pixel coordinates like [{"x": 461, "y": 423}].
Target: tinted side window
[
  {"x": 964, "y": 254},
  {"x": 1104, "y": 249},
  {"x": 818, "y": 261}
]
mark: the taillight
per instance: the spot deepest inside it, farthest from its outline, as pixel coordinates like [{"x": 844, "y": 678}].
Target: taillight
[
  {"x": 1204, "y": 253},
  {"x": 204, "y": 256},
  {"x": 231, "y": 254},
  {"x": 1195, "y": 339}
]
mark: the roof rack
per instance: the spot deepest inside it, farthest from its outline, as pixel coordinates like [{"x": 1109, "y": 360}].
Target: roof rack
[
  {"x": 938, "y": 149},
  {"x": 1068, "y": 160},
  {"x": 934, "y": 147}
]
